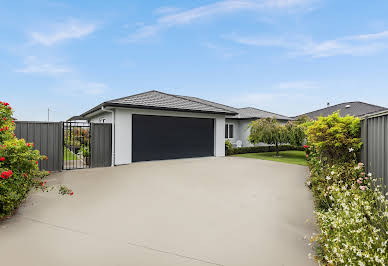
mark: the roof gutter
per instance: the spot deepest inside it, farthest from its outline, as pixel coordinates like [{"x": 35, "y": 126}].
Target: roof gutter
[
  {"x": 113, "y": 133},
  {"x": 107, "y": 104},
  {"x": 372, "y": 115}
]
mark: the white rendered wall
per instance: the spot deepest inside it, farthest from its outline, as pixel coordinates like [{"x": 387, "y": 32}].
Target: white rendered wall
[{"x": 98, "y": 118}]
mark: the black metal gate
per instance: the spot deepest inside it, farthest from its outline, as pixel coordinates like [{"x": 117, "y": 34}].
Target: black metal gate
[{"x": 76, "y": 145}]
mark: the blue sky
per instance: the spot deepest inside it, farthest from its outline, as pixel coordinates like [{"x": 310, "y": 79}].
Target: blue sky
[{"x": 284, "y": 56}]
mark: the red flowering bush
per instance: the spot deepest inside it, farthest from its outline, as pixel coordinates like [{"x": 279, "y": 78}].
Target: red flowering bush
[{"x": 19, "y": 170}]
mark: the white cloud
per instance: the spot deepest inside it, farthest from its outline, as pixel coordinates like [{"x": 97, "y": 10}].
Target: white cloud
[
  {"x": 95, "y": 88},
  {"x": 71, "y": 29},
  {"x": 366, "y": 37},
  {"x": 33, "y": 65},
  {"x": 254, "y": 99},
  {"x": 166, "y": 10},
  {"x": 223, "y": 52},
  {"x": 302, "y": 85},
  {"x": 78, "y": 87},
  {"x": 211, "y": 10},
  {"x": 355, "y": 45}
]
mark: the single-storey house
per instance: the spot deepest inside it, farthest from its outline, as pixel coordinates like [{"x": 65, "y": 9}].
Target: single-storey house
[
  {"x": 358, "y": 109},
  {"x": 155, "y": 125}
]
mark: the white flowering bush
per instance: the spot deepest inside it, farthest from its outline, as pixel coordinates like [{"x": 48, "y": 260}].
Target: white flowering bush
[
  {"x": 351, "y": 209},
  {"x": 354, "y": 231}
]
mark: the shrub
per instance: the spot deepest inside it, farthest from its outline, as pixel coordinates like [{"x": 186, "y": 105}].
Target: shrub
[
  {"x": 351, "y": 210},
  {"x": 335, "y": 137},
  {"x": 19, "y": 171},
  {"x": 257, "y": 149},
  {"x": 228, "y": 147}
]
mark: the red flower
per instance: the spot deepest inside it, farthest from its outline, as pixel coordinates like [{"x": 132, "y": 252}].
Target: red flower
[
  {"x": 28, "y": 144},
  {"x": 6, "y": 104},
  {"x": 305, "y": 146},
  {"x": 36, "y": 162},
  {"x": 4, "y": 175},
  {"x": 2, "y": 159},
  {"x": 25, "y": 175},
  {"x": 71, "y": 193},
  {"x": 10, "y": 172}
]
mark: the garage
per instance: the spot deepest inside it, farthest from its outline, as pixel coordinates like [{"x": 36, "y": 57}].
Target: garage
[{"x": 170, "y": 137}]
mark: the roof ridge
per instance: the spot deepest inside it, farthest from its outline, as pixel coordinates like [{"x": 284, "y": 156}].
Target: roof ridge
[
  {"x": 341, "y": 104},
  {"x": 140, "y": 93},
  {"x": 182, "y": 97},
  {"x": 265, "y": 111}
]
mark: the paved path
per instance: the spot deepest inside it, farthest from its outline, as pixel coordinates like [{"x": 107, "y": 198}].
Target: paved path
[{"x": 208, "y": 211}]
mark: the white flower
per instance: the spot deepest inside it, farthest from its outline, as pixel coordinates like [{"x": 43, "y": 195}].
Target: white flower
[
  {"x": 328, "y": 177},
  {"x": 370, "y": 174},
  {"x": 332, "y": 173},
  {"x": 351, "y": 150}
]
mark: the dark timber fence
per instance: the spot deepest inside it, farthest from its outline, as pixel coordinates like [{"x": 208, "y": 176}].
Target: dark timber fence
[
  {"x": 374, "y": 133},
  {"x": 101, "y": 145},
  {"x": 47, "y": 138}
]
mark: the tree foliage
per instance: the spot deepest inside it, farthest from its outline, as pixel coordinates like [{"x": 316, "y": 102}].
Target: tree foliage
[
  {"x": 270, "y": 131},
  {"x": 267, "y": 130}
]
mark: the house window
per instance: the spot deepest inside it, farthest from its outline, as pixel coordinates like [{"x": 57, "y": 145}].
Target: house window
[
  {"x": 228, "y": 131},
  {"x": 102, "y": 120}
]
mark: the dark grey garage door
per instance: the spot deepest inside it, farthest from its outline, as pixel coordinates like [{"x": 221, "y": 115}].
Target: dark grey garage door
[{"x": 167, "y": 137}]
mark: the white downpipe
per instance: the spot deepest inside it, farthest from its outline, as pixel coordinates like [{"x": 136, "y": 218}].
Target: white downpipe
[{"x": 113, "y": 134}]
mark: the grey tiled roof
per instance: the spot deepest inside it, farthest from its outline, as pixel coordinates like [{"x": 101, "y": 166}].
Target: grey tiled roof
[
  {"x": 349, "y": 108},
  {"x": 250, "y": 112},
  {"x": 163, "y": 101},
  {"x": 218, "y": 105},
  {"x": 243, "y": 113}
]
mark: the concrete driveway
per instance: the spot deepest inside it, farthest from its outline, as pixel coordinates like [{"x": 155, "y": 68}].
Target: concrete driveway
[{"x": 208, "y": 211}]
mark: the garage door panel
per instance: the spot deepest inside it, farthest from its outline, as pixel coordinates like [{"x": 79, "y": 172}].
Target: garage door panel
[
  {"x": 166, "y": 137},
  {"x": 156, "y": 138}
]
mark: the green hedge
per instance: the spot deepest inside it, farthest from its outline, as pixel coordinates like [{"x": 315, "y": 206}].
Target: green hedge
[{"x": 257, "y": 149}]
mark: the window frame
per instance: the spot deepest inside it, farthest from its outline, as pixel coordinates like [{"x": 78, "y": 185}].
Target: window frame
[{"x": 228, "y": 127}]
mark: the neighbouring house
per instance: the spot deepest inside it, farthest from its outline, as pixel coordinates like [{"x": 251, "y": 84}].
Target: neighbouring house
[
  {"x": 154, "y": 125},
  {"x": 237, "y": 125},
  {"x": 358, "y": 109}
]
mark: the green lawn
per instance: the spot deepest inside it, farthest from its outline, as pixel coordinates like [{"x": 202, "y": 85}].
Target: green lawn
[
  {"x": 293, "y": 157},
  {"x": 68, "y": 155}
]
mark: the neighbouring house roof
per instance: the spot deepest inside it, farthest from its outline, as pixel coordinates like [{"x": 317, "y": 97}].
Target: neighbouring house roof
[
  {"x": 244, "y": 113},
  {"x": 349, "y": 108},
  {"x": 251, "y": 113},
  {"x": 163, "y": 101}
]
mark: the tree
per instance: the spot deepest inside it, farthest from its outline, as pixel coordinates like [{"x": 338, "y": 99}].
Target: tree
[
  {"x": 295, "y": 133},
  {"x": 268, "y": 130}
]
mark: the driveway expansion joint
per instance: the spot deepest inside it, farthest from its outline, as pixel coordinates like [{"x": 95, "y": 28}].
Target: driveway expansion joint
[{"x": 129, "y": 243}]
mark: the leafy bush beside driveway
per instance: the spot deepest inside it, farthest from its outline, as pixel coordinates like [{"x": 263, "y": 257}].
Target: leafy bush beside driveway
[
  {"x": 19, "y": 170},
  {"x": 352, "y": 212}
]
